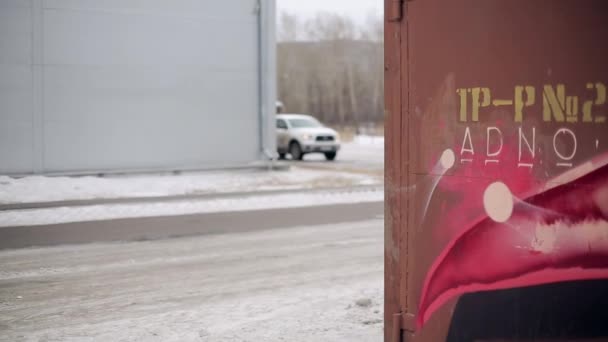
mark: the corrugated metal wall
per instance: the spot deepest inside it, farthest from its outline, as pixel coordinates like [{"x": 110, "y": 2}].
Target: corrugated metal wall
[{"x": 92, "y": 85}]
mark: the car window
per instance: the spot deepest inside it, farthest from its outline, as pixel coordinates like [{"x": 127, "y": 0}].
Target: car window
[
  {"x": 281, "y": 124},
  {"x": 304, "y": 123}
]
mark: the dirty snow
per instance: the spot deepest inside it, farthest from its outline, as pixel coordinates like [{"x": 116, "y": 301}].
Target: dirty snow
[
  {"x": 45, "y": 216},
  {"x": 363, "y": 150},
  {"x": 47, "y": 189},
  {"x": 320, "y": 283}
]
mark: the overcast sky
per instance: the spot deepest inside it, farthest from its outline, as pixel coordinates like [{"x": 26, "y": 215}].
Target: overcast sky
[{"x": 357, "y": 9}]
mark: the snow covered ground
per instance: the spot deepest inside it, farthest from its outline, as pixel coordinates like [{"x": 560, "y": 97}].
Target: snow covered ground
[
  {"x": 364, "y": 151},
  {"x": 306, "y": 283},
  {"x": 368, "y": 140},
  {"x": 48, "y": 189},
  {"x": 319, "y": 283}
]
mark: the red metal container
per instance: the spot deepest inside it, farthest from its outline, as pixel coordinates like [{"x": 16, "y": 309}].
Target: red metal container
[{"x": 496, "y": 170}]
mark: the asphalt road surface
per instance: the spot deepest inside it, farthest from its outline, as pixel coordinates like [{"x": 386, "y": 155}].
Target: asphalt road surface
[
  {"x": 154, "y": 228},
  {"x": 293, "y": 283}
]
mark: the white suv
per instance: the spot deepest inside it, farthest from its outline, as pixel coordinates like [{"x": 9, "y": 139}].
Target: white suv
[{"x": 299, "y": 134}]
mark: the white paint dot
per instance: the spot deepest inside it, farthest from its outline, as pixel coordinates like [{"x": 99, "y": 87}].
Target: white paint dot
[
  {"x": 498, "y": 202},
  {"x": 447, "y": 159}
]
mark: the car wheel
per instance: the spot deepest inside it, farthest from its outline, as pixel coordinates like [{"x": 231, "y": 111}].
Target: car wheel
[
  {"x": 296, "y": 151},
  {"x": 281, "y": 156},
  {"x": 330, "y": 155}
]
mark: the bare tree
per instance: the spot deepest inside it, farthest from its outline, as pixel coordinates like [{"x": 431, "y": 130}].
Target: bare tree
[
  {"x": 332, "y": 68},
  {"x": 289, "y": 25}
]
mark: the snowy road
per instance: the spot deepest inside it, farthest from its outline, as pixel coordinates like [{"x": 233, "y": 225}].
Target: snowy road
[
  {"x": 314, "y": 283},
  {"x": 363, "y": 156}
]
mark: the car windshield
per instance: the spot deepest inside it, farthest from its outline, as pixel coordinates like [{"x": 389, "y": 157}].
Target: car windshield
[{"x": 304, "y": 123}]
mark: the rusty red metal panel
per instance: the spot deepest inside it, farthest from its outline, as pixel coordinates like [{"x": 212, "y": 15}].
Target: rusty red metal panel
[
  {"x": 393, "y": 226},
  {"x": 497, "y": 177},
  {"x": 394, "y": 10}
]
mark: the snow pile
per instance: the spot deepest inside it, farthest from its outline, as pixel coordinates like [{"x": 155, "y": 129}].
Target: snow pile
[
  {"x": 369, "y": 140},
  {"x": 44, "y": 216},
  {"x": 49, "y": 189},
  {"x": 364, "y": 153}
]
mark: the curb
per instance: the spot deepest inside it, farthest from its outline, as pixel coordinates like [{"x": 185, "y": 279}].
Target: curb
[{"x": 174, "y": 198}]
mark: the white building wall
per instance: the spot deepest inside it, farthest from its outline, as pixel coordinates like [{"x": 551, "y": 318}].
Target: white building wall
[{"x": 119, "y": 85}]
